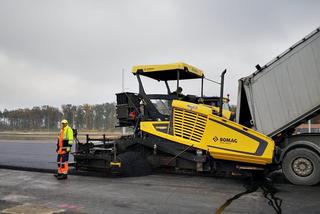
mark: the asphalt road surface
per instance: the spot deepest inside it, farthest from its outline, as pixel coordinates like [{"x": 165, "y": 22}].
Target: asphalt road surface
[
  {"x": 27, "y": 153},
  {"x": 34, "y": 192},
  {"x": 41, "y": 193}
]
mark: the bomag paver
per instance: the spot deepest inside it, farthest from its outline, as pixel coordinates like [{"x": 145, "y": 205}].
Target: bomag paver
[{"x": 176, "y": 132}]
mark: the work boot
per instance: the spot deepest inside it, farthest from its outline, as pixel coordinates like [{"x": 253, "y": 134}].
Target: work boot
[
  {"x": 62, "y": 177},
  {"x": 56, "y": 175}
]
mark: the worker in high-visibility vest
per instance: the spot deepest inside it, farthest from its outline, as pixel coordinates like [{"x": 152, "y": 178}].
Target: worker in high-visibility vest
[{"x": 64, "y": 145}]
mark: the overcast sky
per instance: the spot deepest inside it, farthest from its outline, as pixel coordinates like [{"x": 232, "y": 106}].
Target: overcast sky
[{"x": 59, "y": 52}]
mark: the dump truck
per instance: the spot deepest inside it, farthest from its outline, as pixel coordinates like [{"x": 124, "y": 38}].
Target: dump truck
[
  {"x": 199, "y": 134},
  {"x": 280, "y": 96}
]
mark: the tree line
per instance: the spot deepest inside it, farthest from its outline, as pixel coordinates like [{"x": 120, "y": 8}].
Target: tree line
[{"x": 47, "y": 118}]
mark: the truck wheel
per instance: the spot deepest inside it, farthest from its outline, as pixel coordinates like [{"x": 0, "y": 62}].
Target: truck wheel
[
  {"x": 133, "y": 164},
  {"x": 302, "y": 167}
]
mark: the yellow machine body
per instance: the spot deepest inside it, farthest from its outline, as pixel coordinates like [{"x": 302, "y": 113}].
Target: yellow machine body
[{"x": 198, "y": 126}]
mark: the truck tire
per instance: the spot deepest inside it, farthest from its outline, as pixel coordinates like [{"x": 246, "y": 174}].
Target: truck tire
[
  {"x": 302, "y": 167},
  {"x": 133, "y": 164}
]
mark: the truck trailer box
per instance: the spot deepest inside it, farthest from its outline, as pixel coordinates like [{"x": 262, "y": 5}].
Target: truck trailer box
[{"x": 282, "y": 94}]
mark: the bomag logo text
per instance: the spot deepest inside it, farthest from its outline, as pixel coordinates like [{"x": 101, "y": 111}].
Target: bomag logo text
[
  {"x": 225, "y": 140},
  {"x": 228, "y": 140}
]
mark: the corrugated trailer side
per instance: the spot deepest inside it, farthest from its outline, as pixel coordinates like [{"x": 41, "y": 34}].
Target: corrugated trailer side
[{"x": 283, "y": 93}]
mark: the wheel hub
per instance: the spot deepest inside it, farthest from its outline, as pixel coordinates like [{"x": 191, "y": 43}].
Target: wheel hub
[{"x": 302, "y": 167}]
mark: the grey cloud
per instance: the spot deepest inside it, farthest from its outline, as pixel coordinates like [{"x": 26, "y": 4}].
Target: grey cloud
[{"x": 88, "y": 43}]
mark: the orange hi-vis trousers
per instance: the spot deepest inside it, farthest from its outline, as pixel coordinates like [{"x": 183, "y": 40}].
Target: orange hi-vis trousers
[
  {"x": 62, "y": 160},
  {"x": 63, "y": 157}
]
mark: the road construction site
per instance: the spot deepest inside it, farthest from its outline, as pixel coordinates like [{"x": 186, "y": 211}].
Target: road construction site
[{"x": 187, "y": 134}]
